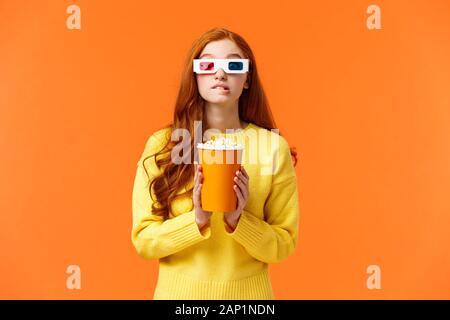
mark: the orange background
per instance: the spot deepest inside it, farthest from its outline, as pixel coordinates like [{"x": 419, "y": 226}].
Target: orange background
[{"x": 368, "y": 110}]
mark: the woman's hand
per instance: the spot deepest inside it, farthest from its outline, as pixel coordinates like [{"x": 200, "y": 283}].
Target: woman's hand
[
  {"x": 201, "y": 216},
  {"x": 242, "y": 192}
]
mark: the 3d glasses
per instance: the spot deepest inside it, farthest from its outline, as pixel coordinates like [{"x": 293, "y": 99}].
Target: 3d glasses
[{"x": 209, "y": 66}]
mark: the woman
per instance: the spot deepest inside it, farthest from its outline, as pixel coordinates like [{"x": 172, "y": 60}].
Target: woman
[{"x": 217, "y": 255}]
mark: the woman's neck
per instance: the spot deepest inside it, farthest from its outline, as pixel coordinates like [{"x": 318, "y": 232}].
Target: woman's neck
[{"x": 222, "y": 117}]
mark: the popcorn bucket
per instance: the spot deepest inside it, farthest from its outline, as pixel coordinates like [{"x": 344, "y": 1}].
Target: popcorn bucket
[{"x": 219, "y": 169}]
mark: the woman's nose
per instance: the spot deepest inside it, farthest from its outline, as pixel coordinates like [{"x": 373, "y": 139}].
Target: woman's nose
[{"x": 220, "y": 74}]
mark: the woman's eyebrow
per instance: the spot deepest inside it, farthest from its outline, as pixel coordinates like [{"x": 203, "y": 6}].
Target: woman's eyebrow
[{"x": 229, "y": 55}]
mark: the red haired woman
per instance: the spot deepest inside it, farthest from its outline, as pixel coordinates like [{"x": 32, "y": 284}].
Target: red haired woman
[{"x": 216, "y": 255}]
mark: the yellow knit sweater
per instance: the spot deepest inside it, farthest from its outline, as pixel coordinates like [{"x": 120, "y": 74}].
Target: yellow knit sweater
[{"x": 216, "y": 262}]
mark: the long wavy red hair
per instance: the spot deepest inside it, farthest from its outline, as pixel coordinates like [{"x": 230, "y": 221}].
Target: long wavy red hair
[{"x": 189, "y": 107}]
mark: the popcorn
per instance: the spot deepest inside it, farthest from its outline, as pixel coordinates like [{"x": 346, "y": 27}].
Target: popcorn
[{"x": 221, "y": 143}]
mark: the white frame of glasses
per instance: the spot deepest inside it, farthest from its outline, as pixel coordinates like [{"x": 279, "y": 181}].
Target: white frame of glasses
[{"x": 220, "y": 63}]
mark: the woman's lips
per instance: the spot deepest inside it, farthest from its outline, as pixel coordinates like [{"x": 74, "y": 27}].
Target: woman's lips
[
  {"x": 220, "y": 88},
  {"x": 218, "y": 85},
  {"x": 222, "y": 91}
]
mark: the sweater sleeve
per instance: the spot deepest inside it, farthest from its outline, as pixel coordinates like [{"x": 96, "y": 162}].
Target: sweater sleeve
[
  {"x": 153, "y": 236},
  {"x": 274, "y": 238}
]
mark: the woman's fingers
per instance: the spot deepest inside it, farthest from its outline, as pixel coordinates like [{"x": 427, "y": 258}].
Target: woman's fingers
[
  {"x": 198, "y": 179},
  {"x": 195, "y": 173},
  {"x": 240, "y": 182},
  {"x": 197, "y": 195},
  {"x": 242, "y": 186},
  {"x": 198, "y": 170},
  {"x": 243, "y": 175},
  {"x": 239, "y": 195},
  {"x": 242, "y": 178}
]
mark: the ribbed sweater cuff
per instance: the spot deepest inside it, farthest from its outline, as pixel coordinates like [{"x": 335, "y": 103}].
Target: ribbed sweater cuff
[
  {"x": 188, "y": 232},
  {"x": 247, "y": 230}
]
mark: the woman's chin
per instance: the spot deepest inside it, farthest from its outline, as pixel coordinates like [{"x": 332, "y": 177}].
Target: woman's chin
[{"x": 219, "y": 99}]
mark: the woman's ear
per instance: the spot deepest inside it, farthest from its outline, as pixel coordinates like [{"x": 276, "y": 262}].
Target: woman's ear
[{"x": 246, "y": 85}]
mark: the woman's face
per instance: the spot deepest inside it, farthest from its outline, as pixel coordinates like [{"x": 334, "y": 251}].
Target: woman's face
[{"x": 221, "y": 49}]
